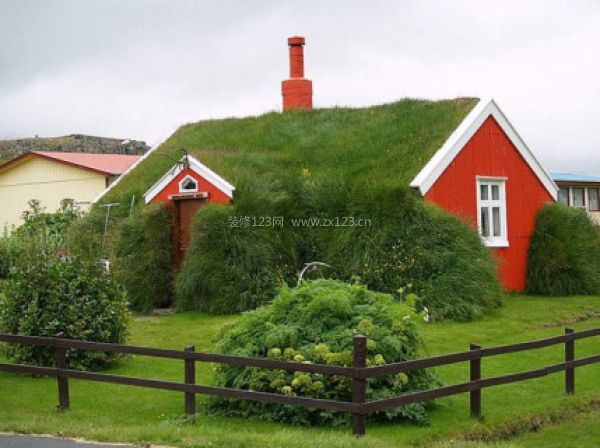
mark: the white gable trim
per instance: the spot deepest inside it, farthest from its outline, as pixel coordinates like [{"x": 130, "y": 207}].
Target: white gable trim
[
  {"x": 198, "y": 168},
  {"x": 463, "y": 133}
]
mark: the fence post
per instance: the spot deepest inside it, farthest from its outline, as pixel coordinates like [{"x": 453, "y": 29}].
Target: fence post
[
  {"x": 570, "y": 356},
  {"x": 475, "y": 375},
  {"x": 190, "y": 378},
  {"x": 63, "y": 382},
  {"x": 359, "y": 384}
]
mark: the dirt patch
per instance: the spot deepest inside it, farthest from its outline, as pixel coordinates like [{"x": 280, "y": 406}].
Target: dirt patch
[
  {"x": 586, "y": 315},
  {"x": 530, "y": 423}
]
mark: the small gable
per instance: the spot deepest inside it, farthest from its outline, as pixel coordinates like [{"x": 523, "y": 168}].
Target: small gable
[{"x": 190, "y": 176}]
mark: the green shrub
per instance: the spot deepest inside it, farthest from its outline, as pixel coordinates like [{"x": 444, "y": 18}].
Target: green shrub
[
  {"x": 230, "y": 268},
  {"x": 86, "y": 236},
  {"x": 409, "y": 246},
  {"x": 315, "y": 322},
  {"x": 47, "y": 230},
  {"x": 399, "y": 245},
  {"x": 564, "y": 253},
  {"x": 46, "y": 296},
  {"x": 142, "y": 258},
  {"x": 9, "y": 253},
  {"x": 41, "y": 232}
]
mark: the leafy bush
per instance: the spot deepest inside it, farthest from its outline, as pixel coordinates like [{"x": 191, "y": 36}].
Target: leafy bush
[
  {"x": 47, "y": 295},
  {"x": 41, "y": 232},
  {"x": 315, "y": 323},
  {"x": 9, "y": 253},
  {"x": 48, "y": 229},
  {"x": 564, "y": 253},
  {"x": 142, "y": 261}
]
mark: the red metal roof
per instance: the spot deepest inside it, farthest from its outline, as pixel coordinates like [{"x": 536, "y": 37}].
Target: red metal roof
[{"x": 102, "y": 163}]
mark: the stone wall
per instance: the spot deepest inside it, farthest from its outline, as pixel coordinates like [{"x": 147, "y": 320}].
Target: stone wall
[{"x": 9, "y": 149}]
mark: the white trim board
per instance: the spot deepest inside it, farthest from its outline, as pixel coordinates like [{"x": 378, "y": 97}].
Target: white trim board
[
  {"x": 463, "y": 133},
  {"x": 197, "y": 167}
]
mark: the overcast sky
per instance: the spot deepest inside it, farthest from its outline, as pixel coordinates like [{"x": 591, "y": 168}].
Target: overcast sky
[{"x": 137, "y": 69}]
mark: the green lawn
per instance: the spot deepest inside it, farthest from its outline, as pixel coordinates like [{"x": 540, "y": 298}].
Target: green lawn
[{"x": 117, "y": 413}]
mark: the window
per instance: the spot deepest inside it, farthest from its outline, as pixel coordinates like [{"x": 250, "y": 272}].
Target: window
[
  {"x": 563, "y": 195},
  {"x": 578, "y": 197},
  {"x": 491, "y": 217},
  {"x": 593, "y": 199},
  {"x": 188, "y": 185}
]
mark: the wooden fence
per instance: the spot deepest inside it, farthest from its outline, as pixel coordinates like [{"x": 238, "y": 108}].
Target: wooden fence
[{"x": 359, "y": 372}]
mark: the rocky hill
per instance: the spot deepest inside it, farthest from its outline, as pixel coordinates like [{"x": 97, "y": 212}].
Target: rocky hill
[{"x": 10, "y": 149}]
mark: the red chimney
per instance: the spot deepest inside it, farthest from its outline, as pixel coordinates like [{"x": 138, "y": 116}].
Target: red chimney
[{"x": 296, "y": 91}]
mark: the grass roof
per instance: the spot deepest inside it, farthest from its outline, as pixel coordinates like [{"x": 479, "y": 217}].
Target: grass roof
[{"x": 386, "y": 144}]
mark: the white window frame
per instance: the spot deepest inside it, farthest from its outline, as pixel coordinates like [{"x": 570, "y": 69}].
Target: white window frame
[
  {"x": 182, "y": 181},
  {"x": 572, "y": 197},
  {"x": 502, "y": 239}
]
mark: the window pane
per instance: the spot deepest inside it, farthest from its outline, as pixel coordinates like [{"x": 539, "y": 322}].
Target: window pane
[
  {"x": 563, "y": 195},
  {"x": 495, "y": 192},
  {"x": 484, "y": 192},
  {"x": 593, "y": 198},
  {"x": 496, "y": 220},
  {"x": 485, "y": 221},
  {"x": 578, "y": 197},
  {"x": 189, "y": 184}
]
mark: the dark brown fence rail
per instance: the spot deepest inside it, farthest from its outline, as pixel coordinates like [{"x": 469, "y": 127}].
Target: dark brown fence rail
[{"x": 359, "y": 407}]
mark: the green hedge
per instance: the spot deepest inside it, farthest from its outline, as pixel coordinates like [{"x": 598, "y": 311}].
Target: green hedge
[
  {"x": 230, "y": 268},
  {"x": 142, "y": 258},
  {"x": 413, "y": 247},
  {"x": 315, "y": 323},
  {"x": 406, "y": 246},
  {"x": 564, "y": 255}
]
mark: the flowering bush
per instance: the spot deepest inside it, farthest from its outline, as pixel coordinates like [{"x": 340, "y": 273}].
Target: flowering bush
[{"x": 315, "y": 323}]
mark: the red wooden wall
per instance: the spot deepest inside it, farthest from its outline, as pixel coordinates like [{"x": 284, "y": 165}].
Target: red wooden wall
[{"x": 491, "y": 153}]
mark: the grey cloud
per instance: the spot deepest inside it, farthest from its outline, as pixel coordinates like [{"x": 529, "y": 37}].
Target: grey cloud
[{"x": 138, "y": 68}]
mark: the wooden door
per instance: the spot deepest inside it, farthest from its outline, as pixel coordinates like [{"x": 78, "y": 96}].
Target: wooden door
[{"x": 185, "y": 210}]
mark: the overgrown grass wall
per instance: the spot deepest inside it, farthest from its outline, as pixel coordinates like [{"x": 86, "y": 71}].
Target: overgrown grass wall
[
  {"x": 142, "y": 258},
  {"x": 397, "y": 245},
  {"x": 564, "y": 256},
  {"x": 137, "y": 242}
]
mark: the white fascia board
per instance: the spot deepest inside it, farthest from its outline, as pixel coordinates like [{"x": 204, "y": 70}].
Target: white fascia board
[
  {"x": 137, "y": 162},
  {"x": 463, "y": 133},
  {"x": 197, "y": 167},
  {"x": 162, "y": 183},
  {"x": 211, "y": 176}
]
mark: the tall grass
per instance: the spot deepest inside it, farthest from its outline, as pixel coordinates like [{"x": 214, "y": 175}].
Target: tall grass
[
  {"x": 142, "y": 258},
  {"x": 402, "y": 246},
  {"x": 564, "y": 256}
]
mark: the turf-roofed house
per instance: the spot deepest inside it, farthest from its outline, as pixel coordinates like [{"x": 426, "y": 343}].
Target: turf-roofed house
[{"x": 463, "y": 155}]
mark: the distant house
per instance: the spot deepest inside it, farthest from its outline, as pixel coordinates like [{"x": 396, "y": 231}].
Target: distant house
[
  {"x": 53, "y": 176},
  {"x": 581, "y": 191}
]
